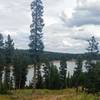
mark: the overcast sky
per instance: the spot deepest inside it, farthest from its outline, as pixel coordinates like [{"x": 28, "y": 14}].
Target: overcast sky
[{"x": 68, "y": 23}]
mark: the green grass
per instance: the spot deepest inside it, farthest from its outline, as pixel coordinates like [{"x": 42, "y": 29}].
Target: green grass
[{"x": 44, "y": 94}]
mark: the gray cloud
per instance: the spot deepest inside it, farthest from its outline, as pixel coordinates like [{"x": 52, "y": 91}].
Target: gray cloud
[
  {"x": 85, "y": 14},
  {"x": 63, "y": 39},
  {"x": 14, "y": 15}
]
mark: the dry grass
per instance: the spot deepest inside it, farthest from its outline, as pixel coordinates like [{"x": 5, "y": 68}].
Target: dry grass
[{"x": 66, "y": 94}]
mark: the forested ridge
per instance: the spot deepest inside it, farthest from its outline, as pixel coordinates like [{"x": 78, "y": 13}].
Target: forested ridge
[{"x": 57, "y": 55}]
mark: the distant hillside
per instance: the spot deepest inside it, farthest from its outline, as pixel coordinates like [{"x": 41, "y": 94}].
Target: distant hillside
[{"x": 58, "y": 56}]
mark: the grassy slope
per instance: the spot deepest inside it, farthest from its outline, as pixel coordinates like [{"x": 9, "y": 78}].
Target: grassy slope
[{"x": 67, "y": 94}]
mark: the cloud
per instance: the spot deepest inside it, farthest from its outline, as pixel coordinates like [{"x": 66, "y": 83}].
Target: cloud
[
  {"x": 14, "y": 14},
  {"x": 65, "y": 39},
  {"x": 86, "y": 13}
]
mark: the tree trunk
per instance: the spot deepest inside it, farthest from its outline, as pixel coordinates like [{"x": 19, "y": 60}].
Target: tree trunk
[{"x": 34, "y": 79}]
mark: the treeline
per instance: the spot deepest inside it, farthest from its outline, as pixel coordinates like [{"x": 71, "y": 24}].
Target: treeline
[
  {"x": 58, "y": 56},
  {"x": 88, "y": 80},
  {"x": 13, "y": 66}
]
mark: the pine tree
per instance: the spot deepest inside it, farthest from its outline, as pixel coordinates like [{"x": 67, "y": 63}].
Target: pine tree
[
  {"x": 20, "y": 70},
  {"x": 54, "y": 79},
  {"x": 90, "y": 65},
  {"x": 78, "y": 73},
  {"x": 92, "y": 52},
  {"x": 1, "y": 60},
  {"x": 93, "y": 46},
  {"x": 39, "y": 78},
  {"x": 36, "y": 44},
  {"x": 46, "y": 72},
  {"x": 1, "y": 54},
  {"x": 1, "y": 42},
  {"x": 63, "y": 72},
  {"x": 9, "y": 52}
]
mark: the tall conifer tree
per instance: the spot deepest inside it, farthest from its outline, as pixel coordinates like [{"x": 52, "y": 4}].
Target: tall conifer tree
[
  {"x": 90, "y": 65},
  {"x": 9, "y": 52},
  {"x": 92, "y": 52},
  {"x": 46, "y": 72},
  {"x": 1, "y": 60},
  {"x": 63, "y": 72},
  {"x": 20, "y": 70},
  {"x": 77, "y": 76},
  {"x": 36, "y": 44}
]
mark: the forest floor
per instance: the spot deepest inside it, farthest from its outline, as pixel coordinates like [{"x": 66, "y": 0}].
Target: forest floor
[{"x": 43, "y": 94}]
